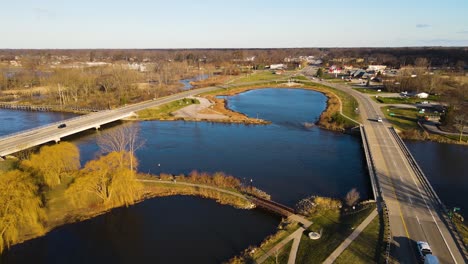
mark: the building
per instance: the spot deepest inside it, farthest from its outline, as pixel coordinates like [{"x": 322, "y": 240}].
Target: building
[
  {"x": 422, "y": 95},
  {"x": 277, "y": 66},
  {"x": 376, "y": 68}
]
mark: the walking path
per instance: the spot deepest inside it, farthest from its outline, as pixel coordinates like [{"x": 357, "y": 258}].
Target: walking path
[
  {"x": 295, "y": 246},
  {"x": 280, "y": 245},
  {"x": 335, "y": 254}
]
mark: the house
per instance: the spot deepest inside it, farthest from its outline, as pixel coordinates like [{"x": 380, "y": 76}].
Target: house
[
  {"x": 277, "y": 66},
  {"x": 376, "y": 68}
]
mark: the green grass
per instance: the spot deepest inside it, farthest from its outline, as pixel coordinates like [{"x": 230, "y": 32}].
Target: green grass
[
  {"x": 275, "y": 239},
  {"x": 403, "y": 100},
  {"x": 404, "y": 118},
  {"x": 366, "y": 90},
  {"x": 365, "y": 248},
  {"x": 283, "y": 255},
  {"x": 257, "y": 76},
  {"x": 335, "y": 228},
  {"x": 164, "y": 111}
]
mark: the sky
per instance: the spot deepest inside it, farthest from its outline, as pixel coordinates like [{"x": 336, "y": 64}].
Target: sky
[{"x": 81, "y": 24}]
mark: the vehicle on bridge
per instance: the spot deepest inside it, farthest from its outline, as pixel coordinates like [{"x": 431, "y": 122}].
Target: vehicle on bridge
[
  {"x": 62, "y": 125},
  {"x": 425, "y": 253}
]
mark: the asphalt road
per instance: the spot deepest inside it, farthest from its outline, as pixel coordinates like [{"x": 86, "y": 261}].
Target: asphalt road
[
  {"x": 414, "y": 214},
  {"x": 19, "y": 141}
]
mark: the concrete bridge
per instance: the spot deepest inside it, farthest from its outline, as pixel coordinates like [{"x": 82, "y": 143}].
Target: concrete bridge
[
  {"x": 55, "y": 132},
  {"x": 402, "y": 191}
]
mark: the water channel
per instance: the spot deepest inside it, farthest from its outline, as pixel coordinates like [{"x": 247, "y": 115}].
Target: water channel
[{"x": 286, "y": 159}]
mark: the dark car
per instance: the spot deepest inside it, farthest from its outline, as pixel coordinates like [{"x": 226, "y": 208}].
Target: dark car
[{"x": 62, "y": 125}]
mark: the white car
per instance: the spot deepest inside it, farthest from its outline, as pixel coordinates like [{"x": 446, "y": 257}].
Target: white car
[
  {"x": 379, "y": 119},
  {"x": 423, "y": 249}
]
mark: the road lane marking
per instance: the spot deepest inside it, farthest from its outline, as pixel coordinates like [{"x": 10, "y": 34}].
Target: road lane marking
[{"x": 411, "y": 171}]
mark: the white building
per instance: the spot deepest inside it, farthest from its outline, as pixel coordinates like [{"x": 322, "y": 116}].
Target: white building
[
  {"x": 422, "y": 95},
  {"x": 277, "y": 66},
  {"x": 376, "y": 68}
]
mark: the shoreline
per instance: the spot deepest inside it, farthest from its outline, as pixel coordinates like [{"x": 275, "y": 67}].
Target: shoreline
[{"x": 151, "y": 190}]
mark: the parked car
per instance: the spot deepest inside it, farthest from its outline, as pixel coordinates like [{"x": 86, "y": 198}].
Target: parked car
[{"x": 62, "y": 125}]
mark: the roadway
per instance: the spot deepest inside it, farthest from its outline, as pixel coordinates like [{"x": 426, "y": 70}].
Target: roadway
[
  {"x": 414, "y": 214},
  {"x": 26, "y": 139}
]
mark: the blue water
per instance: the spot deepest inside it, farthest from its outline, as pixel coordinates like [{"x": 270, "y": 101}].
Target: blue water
[
  {"x": 287, "y": 159},
  {"x": 186, "y": 82},
  {"x": 12, "y": 121}
]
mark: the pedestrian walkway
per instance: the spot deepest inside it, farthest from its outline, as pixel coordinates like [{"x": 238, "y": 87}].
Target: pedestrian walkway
[
  {"x": 280, "y": 245},
  {"x": 295, "y": 246},
  {"x": 335, "y": 254}
]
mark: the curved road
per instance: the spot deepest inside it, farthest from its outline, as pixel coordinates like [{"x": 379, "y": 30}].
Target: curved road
[{"x": 414, "y": 214}]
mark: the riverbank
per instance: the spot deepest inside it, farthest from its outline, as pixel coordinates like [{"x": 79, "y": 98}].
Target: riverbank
[
  {"x": 60, "y": 210},
  {"x": 334, "y": 225}
]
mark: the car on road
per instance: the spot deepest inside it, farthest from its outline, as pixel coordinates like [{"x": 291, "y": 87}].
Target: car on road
[
  {"x": 62, "y": 125},
  {"x": 379, "y": 119},
  {"x": 423, "y": 250}
]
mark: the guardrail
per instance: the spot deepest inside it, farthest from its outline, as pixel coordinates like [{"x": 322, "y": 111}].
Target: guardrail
[
  {"x": 387, "y": 232},
  {"x": 370, "y": 164},
  {"x": 430, "y": 190}
]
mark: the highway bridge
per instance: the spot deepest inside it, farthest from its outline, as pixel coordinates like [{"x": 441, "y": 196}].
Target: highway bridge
[
  {"x": 52, "y": 132},
  {"x": 415, "y": 211}
]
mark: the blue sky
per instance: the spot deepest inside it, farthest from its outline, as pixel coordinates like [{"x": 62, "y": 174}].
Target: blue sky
[{"x": 231, "y": 24}]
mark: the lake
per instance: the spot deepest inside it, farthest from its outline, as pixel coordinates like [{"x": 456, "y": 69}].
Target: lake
[{"x": 288, "y": 160}]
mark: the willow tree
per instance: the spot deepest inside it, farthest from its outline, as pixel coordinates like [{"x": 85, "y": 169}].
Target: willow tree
[
  {"x": 52, "y": 162},
  {"x": 20, "y": 207},
  {"x": 107, "y": 181}
]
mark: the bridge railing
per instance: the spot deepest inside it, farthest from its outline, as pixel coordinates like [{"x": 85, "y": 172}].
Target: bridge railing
[
  {"x": 25, "y": 132},
  {"x": 430, "y": 190},
  {"x": 370, "y": 164},
  {"x": 273, "y": 206}
]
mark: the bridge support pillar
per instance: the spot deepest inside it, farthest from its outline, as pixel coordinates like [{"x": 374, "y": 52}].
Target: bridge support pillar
[
  {"x": 97, "y": 127},
  {"x": 57, "y": 140}
]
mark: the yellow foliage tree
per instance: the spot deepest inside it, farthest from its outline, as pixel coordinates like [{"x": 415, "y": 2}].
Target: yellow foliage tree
[
  {"x": 20, "y": 207},
  {"x": 53, "y": 161},
  {"x": 106, "y": 181}
]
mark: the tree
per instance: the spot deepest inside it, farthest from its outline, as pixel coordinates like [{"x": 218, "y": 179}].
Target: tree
[
  {"x": 352, "y": 197},
  {"x": 319, "y": 72},
  {"x": 121, "y": 139},
  {"x": 52, "y": 162},
  {"x": 20, "y": 207},
  {"x": 108, "y": 181}
]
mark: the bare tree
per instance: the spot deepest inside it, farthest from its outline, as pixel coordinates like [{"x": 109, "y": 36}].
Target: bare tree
[
  {"x": 121, "y": 139},
  {"x": 352, "y": 197}
]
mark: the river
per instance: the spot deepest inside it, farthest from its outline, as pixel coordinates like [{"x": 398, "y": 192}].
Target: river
[{"x": 286, "y": 159}]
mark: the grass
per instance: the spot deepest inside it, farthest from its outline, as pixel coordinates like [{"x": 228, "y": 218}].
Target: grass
[
  {"x": 365, "y": 248},
  {"x": 164, "y": 111},
  {"x": 335, "y": 228},
  {"x": 283, "y": 255},
  {"x": 403, "y": 119},
  {"x": 463, "y": 228},
  {"x": 366, "y": 90},
  {"x": 271, "y": 241},
  {"x": 257, "y": 76},
  {"x": 404, "y": 100},
  {"x": 7, "y": 164}
]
